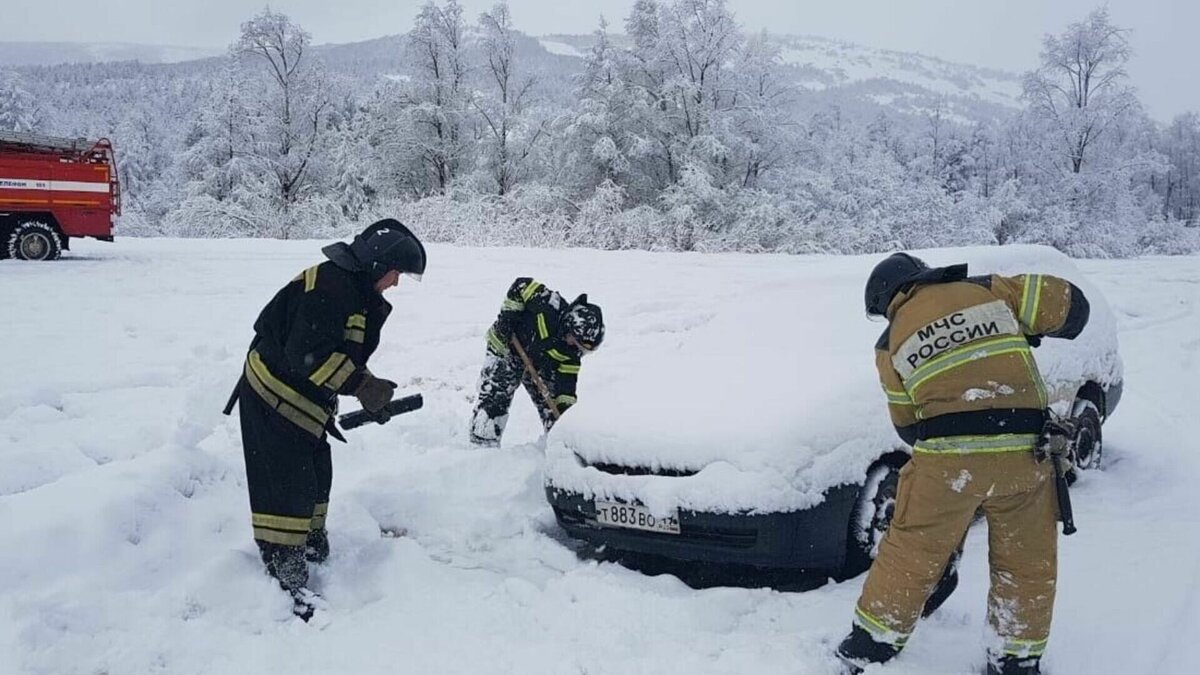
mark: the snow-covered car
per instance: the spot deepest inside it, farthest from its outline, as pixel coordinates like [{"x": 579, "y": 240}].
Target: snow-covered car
[{"x": 761, "y": 438}]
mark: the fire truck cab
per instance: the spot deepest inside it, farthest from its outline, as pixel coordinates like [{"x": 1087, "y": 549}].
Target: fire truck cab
[{"x": 54, "y": 189}]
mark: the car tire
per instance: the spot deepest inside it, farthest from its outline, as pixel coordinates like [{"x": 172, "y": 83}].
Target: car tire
[
  {"x": 34, "y": 240},
  {"x": 1089, "y": 439},
  {"x": 871, "y": 515}
]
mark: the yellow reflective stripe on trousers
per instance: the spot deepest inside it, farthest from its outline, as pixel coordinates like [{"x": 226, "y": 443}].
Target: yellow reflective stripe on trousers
[
  {"x": 565, "y": 399},
  {"x": 1023, "y": 648},
  {"x": 568, "y": 369},
  {"x": 977, "y": 445},
  {"x": 310, "y": 278},
  {"x": 357, "y": 321},
  {"x": 557, "y": 355},
  {"x": 321, "y": 375},
  {"x": 290, "y": 523},
  {"x": 962, "y": 356},
  {"x": 543, "y": 332},
  {"x": 319, "y": 512},
  {"x": 878, "y": 630},
  {"x": 898, "y": 397},
  {"x": 511, "y": 305},
  {"x": 495, "y": 342},
  {"x": 354, "y": 335},
  {"x": 285, "y": 530},
  {"x": 530, "y": 290},
  {"x": 1031, "y": 298},
  {"x": 282, "y": 538}
]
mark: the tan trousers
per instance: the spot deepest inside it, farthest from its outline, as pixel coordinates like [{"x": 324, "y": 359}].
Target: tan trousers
[{"x": 937, "y": 498}]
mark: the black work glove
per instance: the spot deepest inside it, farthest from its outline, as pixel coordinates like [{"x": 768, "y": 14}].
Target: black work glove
[
  {"x": 1034, "y": 341},
  {"x": 374, "y": 393}
]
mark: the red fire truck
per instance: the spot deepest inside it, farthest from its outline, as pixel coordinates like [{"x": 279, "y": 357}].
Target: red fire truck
[{"x": 52, "y": 189}]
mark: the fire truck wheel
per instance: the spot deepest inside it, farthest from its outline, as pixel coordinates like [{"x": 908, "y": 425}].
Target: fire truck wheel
[{"x": 34, "y": 241}]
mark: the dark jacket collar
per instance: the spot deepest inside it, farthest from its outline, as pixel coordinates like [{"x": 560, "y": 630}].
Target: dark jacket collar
[{"x": 936, "y": 275}]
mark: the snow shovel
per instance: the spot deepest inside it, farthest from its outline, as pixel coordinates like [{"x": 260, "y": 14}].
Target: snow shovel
[{"x": 537, "y": 379}]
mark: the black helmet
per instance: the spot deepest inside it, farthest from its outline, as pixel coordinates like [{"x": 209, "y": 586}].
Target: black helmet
[
  {"x": 389, "y": 245},
  {"x": 888, "y": 278},
  {"x": 585, "y": 321}
]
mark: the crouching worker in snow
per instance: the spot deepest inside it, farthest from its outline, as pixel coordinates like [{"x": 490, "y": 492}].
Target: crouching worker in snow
[
  {"x": 312, "y": 344},
  {"x": 949, "y": 338},
  {"x": 538, "y": 339}
]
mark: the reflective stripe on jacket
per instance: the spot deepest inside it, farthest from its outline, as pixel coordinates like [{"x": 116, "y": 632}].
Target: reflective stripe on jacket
[
  {"x": 956, "y": 359},
  {"x": 533, "y": 314},
  {"x": 313, "y": 342}
]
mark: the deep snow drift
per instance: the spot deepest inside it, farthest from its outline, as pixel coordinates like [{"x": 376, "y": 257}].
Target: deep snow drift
[{"x": 125, "y": 525}]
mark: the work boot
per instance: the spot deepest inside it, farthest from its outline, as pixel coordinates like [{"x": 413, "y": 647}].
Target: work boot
[
  {"x": 316, "y": 549},
  {"x": 305, "y": 604},
  {"x": 849, "y": 666},
  {"x": 1013, "y": 665},
  {"x": 285, "y": 563},
  {"x": 485, "y": 430},
  {"x": 484, "y": 442},
  {"x": 860, "y": 650}
]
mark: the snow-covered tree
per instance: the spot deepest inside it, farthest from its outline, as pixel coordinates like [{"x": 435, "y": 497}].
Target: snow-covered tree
[
  {"x": 286, "y": 109},
  {"x": 604, "y": 135},
  {"x": 510, "y": 132},
  {"x": 1089, "y": 156},
  {"x": 212, "y": 158},
  {"x": 1080, "y": 93},
  {"x": 19, "y": 110},
  {"x": 437, "y": 97},
  {"x": 1179, "y": 185},
  {"x": 766, "y": 131},
  {"x": 684, "y": 54}
]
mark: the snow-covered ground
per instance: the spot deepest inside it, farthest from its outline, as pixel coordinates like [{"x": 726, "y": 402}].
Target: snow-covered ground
[{"x": 124, "y": 523}]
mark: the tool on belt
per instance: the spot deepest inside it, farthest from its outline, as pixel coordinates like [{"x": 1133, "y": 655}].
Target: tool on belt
[
  {"x": 1057, "y": 443},
  {"x": 537, "y": 379},
  {"x": 356, "y": 419}
]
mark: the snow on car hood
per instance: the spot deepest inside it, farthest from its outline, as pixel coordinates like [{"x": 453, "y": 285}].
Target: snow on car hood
[{"x": 771, "y": 397}]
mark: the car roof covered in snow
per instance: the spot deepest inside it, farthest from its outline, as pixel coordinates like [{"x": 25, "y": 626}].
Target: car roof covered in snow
[{"x": 774, "y": 397}]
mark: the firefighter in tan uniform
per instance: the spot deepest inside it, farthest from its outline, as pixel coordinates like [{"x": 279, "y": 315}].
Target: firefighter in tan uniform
[{"x": 964, "y": 390}]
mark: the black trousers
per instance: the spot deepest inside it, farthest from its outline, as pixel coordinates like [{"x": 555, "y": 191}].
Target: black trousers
[
  {"x": 497, "y": 385},
  {"x": 288, "y": 473}
]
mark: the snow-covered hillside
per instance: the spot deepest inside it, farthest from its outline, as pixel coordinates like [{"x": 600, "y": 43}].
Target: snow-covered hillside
[
  {"x": 50, "y": 53},
  {"x": 829, "y": 71},
  {"x": 125, "y": 527},
  {"x": 901, "y": 81},
  {"x": 866, "y": 80}
]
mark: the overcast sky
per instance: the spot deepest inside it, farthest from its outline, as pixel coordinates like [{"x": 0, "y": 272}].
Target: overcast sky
[{"x": 1002, "y": 34}]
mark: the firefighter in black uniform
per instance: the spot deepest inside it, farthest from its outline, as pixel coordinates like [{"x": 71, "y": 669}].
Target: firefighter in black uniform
[
  {"x": 537, "y": 324},
  {"x": 312, "y": 344}
]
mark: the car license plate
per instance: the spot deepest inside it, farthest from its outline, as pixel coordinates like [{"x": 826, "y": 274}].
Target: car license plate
[{"x": 634, "y": 517}]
